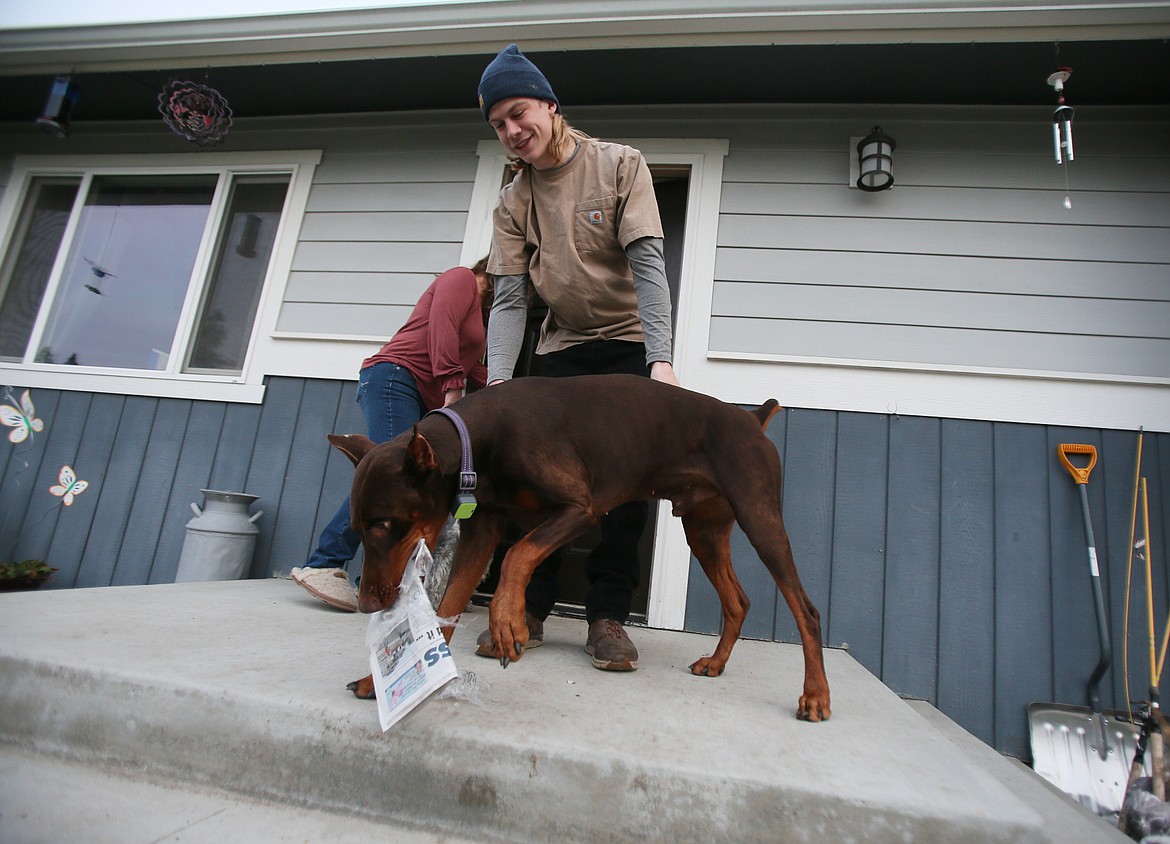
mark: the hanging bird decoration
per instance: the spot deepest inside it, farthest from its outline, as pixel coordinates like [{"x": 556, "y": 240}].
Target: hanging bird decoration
[{"x": 100, "y": 272}]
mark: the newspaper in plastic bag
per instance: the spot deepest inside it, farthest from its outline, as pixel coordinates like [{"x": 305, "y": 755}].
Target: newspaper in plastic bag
[{"x": 409, "y": 658}]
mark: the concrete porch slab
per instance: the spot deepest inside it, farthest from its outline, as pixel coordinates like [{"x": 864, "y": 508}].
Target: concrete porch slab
[{"x": 241, "y": 686}]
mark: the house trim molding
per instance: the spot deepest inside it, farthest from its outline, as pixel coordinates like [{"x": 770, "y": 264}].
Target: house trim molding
[{"x": 466, "y": 28}]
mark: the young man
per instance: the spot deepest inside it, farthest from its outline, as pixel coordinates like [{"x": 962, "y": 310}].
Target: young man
[{"x": 579, "y": 222}]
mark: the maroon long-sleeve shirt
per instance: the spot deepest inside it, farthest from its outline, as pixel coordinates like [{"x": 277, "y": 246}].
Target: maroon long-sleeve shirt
[{"x": 443, "y": 340}]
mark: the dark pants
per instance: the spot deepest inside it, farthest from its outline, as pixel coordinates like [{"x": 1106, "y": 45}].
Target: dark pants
[{"x": 612, "y": 566}]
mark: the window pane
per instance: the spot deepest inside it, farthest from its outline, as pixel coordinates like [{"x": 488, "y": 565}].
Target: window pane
[
  {"x": 38, "y": 239},
  {"x": 128, "y": 271},
  {"x": 249, "y": 233}
]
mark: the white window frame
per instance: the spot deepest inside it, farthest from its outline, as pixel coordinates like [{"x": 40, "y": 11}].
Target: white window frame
[
  {"x": 248, "y": 385},
  {"x": 667, "y": 601}
]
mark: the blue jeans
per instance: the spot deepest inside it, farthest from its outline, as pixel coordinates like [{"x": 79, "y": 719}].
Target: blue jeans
[{"x": 391, "y": 404}]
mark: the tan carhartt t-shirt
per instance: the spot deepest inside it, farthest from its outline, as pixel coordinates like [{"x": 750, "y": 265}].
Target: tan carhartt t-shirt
[{"x": 567, "y": 227}]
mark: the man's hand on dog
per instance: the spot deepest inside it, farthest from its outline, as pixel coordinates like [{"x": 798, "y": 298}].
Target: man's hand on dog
[{"x": 663, "y": 371}]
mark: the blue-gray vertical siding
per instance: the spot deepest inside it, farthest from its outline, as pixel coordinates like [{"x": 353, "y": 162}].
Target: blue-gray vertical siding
[
  {"x": 146, "y": 461},
  {"x": 949, "y": 557}
]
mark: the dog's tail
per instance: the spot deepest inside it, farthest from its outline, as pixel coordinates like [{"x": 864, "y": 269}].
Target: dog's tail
[{"x": 765, "y": 412}]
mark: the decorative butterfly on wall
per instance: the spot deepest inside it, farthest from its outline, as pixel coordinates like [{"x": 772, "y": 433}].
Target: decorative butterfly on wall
[
  {"x": 22, "y": 420},
  {"x": 68, "y": 486}
]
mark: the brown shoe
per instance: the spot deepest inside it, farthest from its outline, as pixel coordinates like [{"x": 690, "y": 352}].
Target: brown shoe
[
  {"x": 483, "y": 645},
  {"x": 610, "y": 647}
]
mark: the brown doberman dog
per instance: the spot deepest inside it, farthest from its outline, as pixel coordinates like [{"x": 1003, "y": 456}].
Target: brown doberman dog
[{"x": 553, "y": 455}]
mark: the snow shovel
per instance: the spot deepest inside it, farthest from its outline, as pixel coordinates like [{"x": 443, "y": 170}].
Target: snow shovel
[{"x": 1085, "y": 752}]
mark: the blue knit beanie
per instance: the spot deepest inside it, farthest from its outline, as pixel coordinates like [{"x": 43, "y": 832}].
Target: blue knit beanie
[{"x": 510, "y": 74}]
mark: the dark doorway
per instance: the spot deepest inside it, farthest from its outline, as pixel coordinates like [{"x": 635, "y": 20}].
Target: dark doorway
[{"x": 671, "y": 186}]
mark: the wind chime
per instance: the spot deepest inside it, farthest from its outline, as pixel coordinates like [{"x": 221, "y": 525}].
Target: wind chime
[
  {"x": 1062, "y": 117},
  {"x": 196, "y": 112}
]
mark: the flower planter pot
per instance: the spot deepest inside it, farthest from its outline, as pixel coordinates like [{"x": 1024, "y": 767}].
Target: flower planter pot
[{"x": 24, "y": 582}]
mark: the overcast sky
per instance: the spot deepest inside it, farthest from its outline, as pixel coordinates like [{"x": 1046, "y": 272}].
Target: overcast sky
[{"x": 30, "y": 13}]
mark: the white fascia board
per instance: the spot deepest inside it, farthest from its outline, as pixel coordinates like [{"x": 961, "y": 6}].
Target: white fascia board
[
  {"x": 986, "y": 396},
  {"x": 482, "y": 27}
]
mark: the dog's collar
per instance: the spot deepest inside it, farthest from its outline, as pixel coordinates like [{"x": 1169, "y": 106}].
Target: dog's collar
[{"x": 465, "y": 501}]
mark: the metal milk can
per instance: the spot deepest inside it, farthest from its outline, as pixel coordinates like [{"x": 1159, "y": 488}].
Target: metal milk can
[{"x": 220, "y": 539}]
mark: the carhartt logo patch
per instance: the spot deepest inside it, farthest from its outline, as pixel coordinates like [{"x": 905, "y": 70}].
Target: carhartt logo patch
[{"x": 596, "y": 218}]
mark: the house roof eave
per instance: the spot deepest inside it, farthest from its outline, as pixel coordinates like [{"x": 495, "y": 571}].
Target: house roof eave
[{"x": 471, "y": 28}]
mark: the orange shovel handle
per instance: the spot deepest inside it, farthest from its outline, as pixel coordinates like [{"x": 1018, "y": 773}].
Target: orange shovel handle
[{"x": 1079, "y": 475}]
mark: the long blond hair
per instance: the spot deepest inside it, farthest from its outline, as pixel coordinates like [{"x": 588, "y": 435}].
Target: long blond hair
[
  {"x": 561, "y": 143},
  {"x": 488, "y": 293}
]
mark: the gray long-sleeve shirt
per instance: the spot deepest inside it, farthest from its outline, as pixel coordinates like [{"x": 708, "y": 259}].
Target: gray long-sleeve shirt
[{"x": 510, "y": 310}]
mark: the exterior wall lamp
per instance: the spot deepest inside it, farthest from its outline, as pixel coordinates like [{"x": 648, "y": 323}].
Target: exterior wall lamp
[
  {"x": 875, "y": 161},
  {"x": 59, "y": 105}
]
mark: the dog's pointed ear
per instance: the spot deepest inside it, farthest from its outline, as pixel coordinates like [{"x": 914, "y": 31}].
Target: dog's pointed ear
[
  {"x": 354, "y": 446},
  {"x": 420, "y": 458},
  {"x": 765, "y": 412}
]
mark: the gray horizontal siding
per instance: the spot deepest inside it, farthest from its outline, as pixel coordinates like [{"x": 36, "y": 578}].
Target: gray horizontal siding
[
  {"x": 341, "y": 258},
  {"x": 996, "y": 149},
  {"x": 381, "y": 216},
  {"x": 1000, "y": 311},
  {"x": 1024, "y": 163},
  {"x": 949, "y": 557},
  {"x": 948, "y": 202},
  {"x": 1050, "y": 278},
  {"x": 971, "y": 260},
  {"x": 1023, "y": 241},
  {"x": 833, "y": 337},
  {"x": 359, "y": 320},
  {"x": 383, "y": 197},
  {"x": 366, "y": 226},
  {"x": 359, "y": 288}
]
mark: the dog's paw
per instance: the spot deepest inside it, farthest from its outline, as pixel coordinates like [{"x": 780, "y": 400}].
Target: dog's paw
[
  {"x": 512, "y": 655},
  {"x": 508, "y": 639},
  {"x": 707, "y": 667},
  {"x": 813, "y": 708},
  {"x": 363, "y": 688}
]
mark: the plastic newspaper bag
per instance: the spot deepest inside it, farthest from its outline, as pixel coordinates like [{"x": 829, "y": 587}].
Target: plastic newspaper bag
[{"x": 409, "y": 658}]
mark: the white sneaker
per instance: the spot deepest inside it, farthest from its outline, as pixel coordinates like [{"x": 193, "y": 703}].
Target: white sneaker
[{"x": 330, "y": 585}]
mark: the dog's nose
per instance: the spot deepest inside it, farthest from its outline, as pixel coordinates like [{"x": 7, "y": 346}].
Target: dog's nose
[
  {"x": 377, "y": 599},
  {"x": 372, "y": 603}
]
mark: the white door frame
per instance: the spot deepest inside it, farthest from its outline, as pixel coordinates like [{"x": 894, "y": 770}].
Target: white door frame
[{"x": 670, "y": 568}]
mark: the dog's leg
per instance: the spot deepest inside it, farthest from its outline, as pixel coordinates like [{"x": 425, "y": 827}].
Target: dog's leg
[
  {"x": 478, "y": 538},
  {"x": 506, "y": 613},
  {"x": 708, "y": 531},
  {"x": 750, "y": 478},
  {"x": 770, "y": 539}
]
